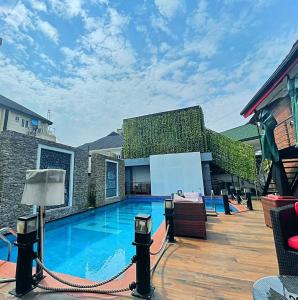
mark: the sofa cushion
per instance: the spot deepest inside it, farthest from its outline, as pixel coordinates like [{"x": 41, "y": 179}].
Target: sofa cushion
[{"x": 293, "y": 242}]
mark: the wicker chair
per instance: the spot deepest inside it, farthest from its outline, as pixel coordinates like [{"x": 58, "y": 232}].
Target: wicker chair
[{"x": 285, "y": 225}]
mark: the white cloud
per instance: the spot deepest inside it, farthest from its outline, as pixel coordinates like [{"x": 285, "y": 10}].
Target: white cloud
[
  {"x": 169, "y": 8},
  {"x": 67, "y": 8},
  {"x": 17, "y": 16},
  {"x": 160, "y": 24},
  {"x": 48, "y": 30},
  {"x": 38, "y": 5}
]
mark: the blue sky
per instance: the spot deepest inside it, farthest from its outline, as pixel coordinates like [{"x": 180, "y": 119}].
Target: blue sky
[{"x": 95, "y": 62}]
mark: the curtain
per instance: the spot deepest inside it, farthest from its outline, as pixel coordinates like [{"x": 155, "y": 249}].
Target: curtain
[{"x": 293, "y": 93}]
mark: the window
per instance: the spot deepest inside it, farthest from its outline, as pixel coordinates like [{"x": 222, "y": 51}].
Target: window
[
  {"x": 23, "y": 123},
  {"x": 111, "y": 179},
  {"x": 17, "y": 118},
  {"x": 27, "y": 124}
]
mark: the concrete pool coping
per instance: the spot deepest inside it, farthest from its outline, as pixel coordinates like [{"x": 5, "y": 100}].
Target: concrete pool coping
[{"x": 7, "y": 270}]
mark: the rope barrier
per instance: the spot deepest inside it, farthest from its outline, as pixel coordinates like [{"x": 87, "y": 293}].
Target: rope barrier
[
  {"x": 97, "y": 284},
  {"x": 7, "y": 280},
  {"x": 79, "y": 290},
  {"x": 152, "y": 270},
  {"x": 162, "y": 245}
]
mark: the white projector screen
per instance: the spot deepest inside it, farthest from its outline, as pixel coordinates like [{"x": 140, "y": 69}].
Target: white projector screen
[{"x": 172, "y": 172}]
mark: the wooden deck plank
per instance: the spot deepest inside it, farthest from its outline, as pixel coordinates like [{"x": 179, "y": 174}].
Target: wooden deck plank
[{"x": 239, "y": 249}]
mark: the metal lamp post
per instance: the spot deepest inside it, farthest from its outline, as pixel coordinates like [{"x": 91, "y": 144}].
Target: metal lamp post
[{"x": 43, "y": 188}]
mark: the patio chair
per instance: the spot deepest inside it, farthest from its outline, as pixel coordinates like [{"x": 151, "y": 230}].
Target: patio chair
[{"x": 285, "y": 225}]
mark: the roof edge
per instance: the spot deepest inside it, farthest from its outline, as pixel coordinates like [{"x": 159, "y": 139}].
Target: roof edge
[{"x": 277, "y": 76}]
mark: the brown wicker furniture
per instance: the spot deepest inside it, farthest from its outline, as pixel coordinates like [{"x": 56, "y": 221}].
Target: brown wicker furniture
[
  {"x": 272, "y": 201},
  {"x": 284, "y": 226},
  {"x": 189, "y": 219}
]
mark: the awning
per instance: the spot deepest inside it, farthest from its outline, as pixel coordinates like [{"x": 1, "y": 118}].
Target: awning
[
  {"x": 269, "y": 147},
  {"x": 293, "y": 93}
]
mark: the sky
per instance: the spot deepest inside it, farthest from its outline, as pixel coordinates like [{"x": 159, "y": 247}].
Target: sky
[{"x": 93, "y": 63}]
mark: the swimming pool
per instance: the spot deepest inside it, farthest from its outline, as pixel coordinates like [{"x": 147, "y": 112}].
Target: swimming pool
[
  {"x": 95, "y": 244},
  {"x": 218, "y": 202}
]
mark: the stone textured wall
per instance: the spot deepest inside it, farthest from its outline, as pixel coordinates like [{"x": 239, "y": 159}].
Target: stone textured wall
[
  {"x": 98, "y": 177},
  {"x": 18, "y": 153}
]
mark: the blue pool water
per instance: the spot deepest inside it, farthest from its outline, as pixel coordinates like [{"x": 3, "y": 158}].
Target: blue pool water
[
  {"x": 218, "y": 202},
  {"x": 95, "y": 244}
]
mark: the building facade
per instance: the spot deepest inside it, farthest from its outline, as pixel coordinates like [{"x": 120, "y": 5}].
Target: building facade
[
  {"x": 15, "y": 117},
  {"x": 19, "y": 153},
  {"x": 275, "y": 108},
  {"x": 110, "y": 145}
]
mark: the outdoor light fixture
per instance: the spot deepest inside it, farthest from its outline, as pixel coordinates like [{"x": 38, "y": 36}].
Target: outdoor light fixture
[
  {"x": 247, "y": 192},
  {"x": 169, "y": 216},
  {"x": 225, "y": 198},
  {"x": 143, "y": 241},
  {"x": 27, "y": 224},
  {"x": 26, "y": 238},
  {"x": 143, "y": 224},
  {"x": 169, "y": 204},
  {"x": 43, "y": 188}
]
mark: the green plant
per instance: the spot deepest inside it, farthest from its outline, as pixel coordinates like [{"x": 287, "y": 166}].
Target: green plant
[
  {"x": 169, "y": 132},
  {"x": 233, "y": 157},
  {"x": 184, "y": 130}
]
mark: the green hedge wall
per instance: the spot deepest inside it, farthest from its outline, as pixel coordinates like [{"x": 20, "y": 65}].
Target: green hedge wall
[
  {"x": 184, "y": 131},
  {"x": 232, "y": 156},
  {"x": 168, "y": 132}
]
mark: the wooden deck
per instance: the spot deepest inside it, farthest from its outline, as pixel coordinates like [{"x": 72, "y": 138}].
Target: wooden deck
[{"x": 238, "y": 250}]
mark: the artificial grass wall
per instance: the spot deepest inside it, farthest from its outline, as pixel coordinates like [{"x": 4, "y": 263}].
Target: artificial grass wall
[
  {"x": 175, "y": 131},
  {"x": 184, "y": 130},
  {"x": 232, "y": 156}
]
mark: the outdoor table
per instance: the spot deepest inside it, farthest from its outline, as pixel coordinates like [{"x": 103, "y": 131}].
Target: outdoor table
[{"x": 276, "y": 287}]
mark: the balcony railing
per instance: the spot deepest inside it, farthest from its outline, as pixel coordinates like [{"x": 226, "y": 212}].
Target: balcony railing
[{"x": 284, "y": 133}]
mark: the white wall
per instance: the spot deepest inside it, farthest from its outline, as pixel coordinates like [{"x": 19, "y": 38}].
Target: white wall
[{"x": 172, "y": 172}]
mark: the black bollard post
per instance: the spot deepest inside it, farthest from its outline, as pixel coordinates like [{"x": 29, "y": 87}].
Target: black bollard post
[
  {"x": 143, "y": 241},
  {"x": 238, "y": 194},
  {"x": 169, "y": 215},
  {"x": 232, "y": 190},
  {"x": 248, "y": 198},
  {"x": 225, "y": 197},
  {"x": 27, "y": 236}
]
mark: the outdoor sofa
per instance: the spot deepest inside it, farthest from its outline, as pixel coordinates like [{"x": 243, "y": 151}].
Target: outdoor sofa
[
  {"x": 189, "y": 216},
  {"x": 285, "y": 226}
]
